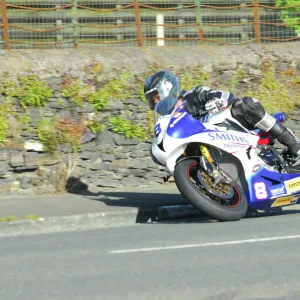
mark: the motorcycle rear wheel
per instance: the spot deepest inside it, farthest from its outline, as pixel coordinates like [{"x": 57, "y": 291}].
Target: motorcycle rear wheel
[{"x": 186, "y": 180}]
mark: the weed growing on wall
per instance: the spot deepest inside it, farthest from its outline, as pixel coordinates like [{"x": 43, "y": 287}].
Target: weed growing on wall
[
  {"x": 64, "y": 132},
  {"x": 76, "y": 89},
  {"x": 192, "y": 77},
  {"x": 81, "y": 91},
  {"x": 150, "y": 122},
  {"x": 69, "y": 133},
  {"x": 93, "y": 68},
  {"x": 33, "y": 91},
  {"x": 129, "y": 130},
  {"x": 28, "y": 88},
  {"x": 277, "y": 92},
  {"x": 47, "y": 135},
  {"x": 22, "y": 121},
  {"x": 95, "y": 126},
  {"x": 5, "y": 109},
  {"x": 120, "y": 87}
]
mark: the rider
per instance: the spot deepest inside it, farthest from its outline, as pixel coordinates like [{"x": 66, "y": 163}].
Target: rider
[{"x": 162, "y": 91}]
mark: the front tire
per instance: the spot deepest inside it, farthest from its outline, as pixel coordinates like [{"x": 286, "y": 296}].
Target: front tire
[{"x": 185, "y": 176}]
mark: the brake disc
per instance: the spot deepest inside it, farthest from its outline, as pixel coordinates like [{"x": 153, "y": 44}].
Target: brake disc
[{"x": 222, "y": 190}]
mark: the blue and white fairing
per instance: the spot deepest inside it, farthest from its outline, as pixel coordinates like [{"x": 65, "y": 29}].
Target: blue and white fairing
[
  {"x": 266, "y": 187},
  {"x": 175, "y": 131}
]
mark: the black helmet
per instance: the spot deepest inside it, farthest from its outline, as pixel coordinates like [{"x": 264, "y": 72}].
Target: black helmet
[{"x": 164, "y": 83}]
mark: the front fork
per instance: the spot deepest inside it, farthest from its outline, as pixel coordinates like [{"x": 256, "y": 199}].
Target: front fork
[{"x": 210, "y": 166}]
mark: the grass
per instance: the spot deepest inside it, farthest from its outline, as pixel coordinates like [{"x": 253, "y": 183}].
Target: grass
[{"x": 13, "y": 218}]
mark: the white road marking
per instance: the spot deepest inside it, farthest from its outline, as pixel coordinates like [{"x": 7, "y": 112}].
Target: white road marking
[{"x": 276, "y": 238}]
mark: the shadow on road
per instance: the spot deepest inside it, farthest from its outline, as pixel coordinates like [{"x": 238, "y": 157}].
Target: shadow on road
[
  {"x": 127, "y": 198},
  {"x": 149, "y": 204}
]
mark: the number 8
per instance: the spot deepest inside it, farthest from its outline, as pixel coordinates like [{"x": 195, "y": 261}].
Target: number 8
[{"x": 260, "y": 190}]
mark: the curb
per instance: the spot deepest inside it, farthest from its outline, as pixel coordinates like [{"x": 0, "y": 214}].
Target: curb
[
  {"x": 104, "y": 220},
  {"x": 97, "y": 220}
]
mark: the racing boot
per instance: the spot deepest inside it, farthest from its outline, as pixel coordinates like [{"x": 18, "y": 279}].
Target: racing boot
[
  {"x": 283, "y": 134},
  {"x": 286, "y": 137}
]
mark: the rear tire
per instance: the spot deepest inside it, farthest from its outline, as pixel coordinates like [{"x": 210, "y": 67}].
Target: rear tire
[{"x": 194, "y": 192}]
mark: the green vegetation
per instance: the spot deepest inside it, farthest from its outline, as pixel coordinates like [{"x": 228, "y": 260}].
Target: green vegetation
[
  {"x": 9, "y": 219},
  {"x": 47, "y": 135},
  {"x": 15, "y": 218},
  {"x": 93, "y": 68},
  {"x": 65, "y": 132},
  {"x": 81, "y": 91},
  {"x": 32, "y": 217},
  {"x": 150, "y": 122},
  {"x": 95, "y": 126},
  {"x": 125, "y": 127},
  {"x": 76, "y": 89},
  {"x": 193, "y": 77},
  {"x": 29, "y": 89},
  {"x": 277, "y": 90},
  {"x": 290, "y": 15},
  {"x": 5, "y": 108}
]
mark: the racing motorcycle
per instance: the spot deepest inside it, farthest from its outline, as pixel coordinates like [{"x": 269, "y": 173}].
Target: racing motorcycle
[{"x": 222, "y": 168}]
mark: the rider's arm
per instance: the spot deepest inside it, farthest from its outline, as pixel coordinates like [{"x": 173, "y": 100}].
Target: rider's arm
[{"x": 198, "y": 97}]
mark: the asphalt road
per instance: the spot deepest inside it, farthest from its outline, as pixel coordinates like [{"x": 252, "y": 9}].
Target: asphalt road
[{"x": 255, "y": 258}]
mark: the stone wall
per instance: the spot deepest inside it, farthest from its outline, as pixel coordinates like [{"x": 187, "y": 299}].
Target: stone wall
[{"x": 107, "y": 159}]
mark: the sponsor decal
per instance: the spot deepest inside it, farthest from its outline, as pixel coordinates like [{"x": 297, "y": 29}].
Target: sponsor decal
[
  {"x": 292, "y": 185},
  {"x": 260, "y": 190},
  {"x": 218, "y": 136},
  {"x": 157, "y": 130},
  {"x": 234, "y": 146},
  {"x": 277, "y": 192},
  {"x": 256, "y": 168},
  {"x": 284, "y": 201}
]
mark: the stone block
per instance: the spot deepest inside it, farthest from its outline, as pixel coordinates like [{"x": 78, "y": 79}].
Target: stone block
[
  {"x": 16, "y": 159},
  {"x": 118, "y": 164},
  {"x": 46, "y": 159},
  {"x": 144, "y": 146},
  {"x": 55, "y": 83},
  {"x": 105, "y": 182},
  {"x": 138, "y": 163},
  {"x": 89, "y": 147},
  {"x": 100, "y": 166},
  {"x": 31, "y": 159},
  {"x": 88, "y": 137},
  {"x": 4, "y": 155},
  {"x": 121, "y": 140},
  {"x": 121, "y": 154},
  {"x": 86, "y": 155},
  {"x": 108, "y": 157},
  {"x": 105, "y": 138},
  {"x": 131, "y": 181},
  {"x": 135, "y": 102},
  {"x": 32, "y": 145},
  {"x": 139, "y": 154}
]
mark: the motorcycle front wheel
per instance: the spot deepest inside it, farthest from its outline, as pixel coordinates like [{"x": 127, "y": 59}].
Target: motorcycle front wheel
[{"x": 186, "y": 177}]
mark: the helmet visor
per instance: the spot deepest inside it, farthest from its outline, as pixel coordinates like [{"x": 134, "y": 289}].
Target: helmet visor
[
  {"x": 151, "y": 96},
  {"x": 164, "y": 88}
]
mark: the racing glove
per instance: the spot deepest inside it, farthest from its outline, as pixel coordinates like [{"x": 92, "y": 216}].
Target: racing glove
[
  {"x": 195, "y": 99},
  {"x": 215, "y": 105}
]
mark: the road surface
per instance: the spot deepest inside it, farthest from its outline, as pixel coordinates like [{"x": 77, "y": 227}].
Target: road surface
[{"x": 255, "y": 258}]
